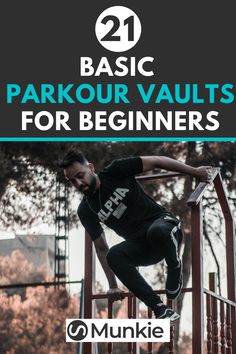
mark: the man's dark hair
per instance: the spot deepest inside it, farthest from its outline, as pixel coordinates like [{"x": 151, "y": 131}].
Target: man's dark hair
[{"x": 72, "y": 155}]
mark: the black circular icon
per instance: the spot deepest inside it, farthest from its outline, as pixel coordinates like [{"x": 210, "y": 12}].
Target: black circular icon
[{"x": 77, "y": 330}]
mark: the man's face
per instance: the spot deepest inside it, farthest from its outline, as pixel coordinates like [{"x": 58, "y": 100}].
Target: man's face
[{"x": 82, "y": 177}]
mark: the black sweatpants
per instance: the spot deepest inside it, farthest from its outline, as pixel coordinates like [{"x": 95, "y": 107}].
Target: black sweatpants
[{"x": 160, "y": 241}]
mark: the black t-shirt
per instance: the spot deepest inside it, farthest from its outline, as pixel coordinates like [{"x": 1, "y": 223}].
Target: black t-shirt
[{"x": 120, "y": 202}]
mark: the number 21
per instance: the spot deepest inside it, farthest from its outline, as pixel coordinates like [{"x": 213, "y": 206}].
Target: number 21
[{"x": 116, "y": 24}]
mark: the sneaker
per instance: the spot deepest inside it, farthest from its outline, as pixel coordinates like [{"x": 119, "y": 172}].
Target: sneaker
[
  {"x": 163, "y": 312},
  {"x": 174, "y": 282}
]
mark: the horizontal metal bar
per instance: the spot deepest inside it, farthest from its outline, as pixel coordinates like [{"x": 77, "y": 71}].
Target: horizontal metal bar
[
  {"x": 220, "y": 298},
  {"x": 61, "y": 237},
  {"x": 62, "y": 218},
  {"x": 158, "y": 176},
  {"x": 60, "y": 275},
  {"x": 129, "y": 294},
  {"x": 51, "y": 283},
  {"x": 61, "y": 199}
]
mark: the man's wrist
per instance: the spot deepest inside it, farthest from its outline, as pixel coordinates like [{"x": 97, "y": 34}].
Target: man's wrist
[{"x": 193, "y": 171}]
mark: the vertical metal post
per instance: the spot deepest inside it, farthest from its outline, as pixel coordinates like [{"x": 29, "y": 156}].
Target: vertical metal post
[
  {"x": 231, "y": 274},
  {"x": 110, "y": 313},
  {"x": 135, "y": 314},
  {"x": 81, "y": 315},
  {"x": 215, "y": 330},
  {"x": 209, "y": 324},
  {"x": 197, "y": 278},
  {"x": 61, "y": 263},
  {"x": 89, "y": 271},
  {"x": 229, "y": 337},
  {"x": 230, "y": 248}
]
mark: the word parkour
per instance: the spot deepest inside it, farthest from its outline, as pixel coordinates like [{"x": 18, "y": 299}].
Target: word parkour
[{"x": 106, "y": 97}]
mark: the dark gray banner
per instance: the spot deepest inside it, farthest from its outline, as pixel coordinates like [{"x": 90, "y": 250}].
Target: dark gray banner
[{"x": 83, "y": 70}]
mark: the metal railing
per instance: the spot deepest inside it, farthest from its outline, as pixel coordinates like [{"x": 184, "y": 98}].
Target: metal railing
[
  {"x": 197, "y": 290},
  {"x": 195, "y": 202},
  {"x": 220, "y": 327}
]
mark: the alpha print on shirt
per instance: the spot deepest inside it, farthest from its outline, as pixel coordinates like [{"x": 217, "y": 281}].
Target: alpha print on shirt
[{"x": 114, "y": 205}]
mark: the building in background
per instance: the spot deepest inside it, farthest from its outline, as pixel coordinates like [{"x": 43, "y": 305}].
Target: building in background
[{"x": 37, "y": 249}]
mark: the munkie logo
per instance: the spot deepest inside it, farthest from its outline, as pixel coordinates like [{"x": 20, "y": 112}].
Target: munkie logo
[
  {"x": 117, "y": 330},
  {"x": 77, "y": 330}
]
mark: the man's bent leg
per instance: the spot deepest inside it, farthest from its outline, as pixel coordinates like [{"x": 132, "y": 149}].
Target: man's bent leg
[
  {"x": 165, "y": 233},
  {"x": 123, "y": 260}
]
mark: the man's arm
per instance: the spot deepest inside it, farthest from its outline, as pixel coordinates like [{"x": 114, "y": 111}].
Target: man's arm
[
  {"x": 203, "y": 173},
  {"x": 102, "y": 249}
]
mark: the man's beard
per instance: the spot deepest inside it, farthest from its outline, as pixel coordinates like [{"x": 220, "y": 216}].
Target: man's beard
[{"x": 92, "y": 185}]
